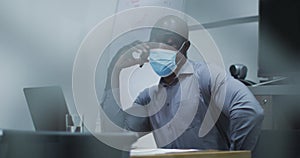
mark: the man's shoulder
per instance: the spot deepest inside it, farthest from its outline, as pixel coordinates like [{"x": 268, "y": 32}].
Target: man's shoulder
[
  {"x": 200, "y": 68},
  {"x": 208, "y": 73},
  {"x": 206, "y": 69}
]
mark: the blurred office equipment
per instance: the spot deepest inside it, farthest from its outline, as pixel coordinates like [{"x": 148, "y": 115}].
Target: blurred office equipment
[
  {"x": 279, "y": 38},
  {"x": 28, "y": 144},
  {"x": 281, "y": 106},
  {"x": 278, "y": 61},
  {"x": 239, "y": 72},
  {"x": 278, "y": 144},
  {"x": 278, "y": 57},
  {"x": 47, "y": 107},
  {"x": 280, "y": 136}
]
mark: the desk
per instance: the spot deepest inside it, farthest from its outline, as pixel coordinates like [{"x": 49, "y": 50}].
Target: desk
[
  {"x": 50, "y": 144},
  {"x": 202, "y": 154}
]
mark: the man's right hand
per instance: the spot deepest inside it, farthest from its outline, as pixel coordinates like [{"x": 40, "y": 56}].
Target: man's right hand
[{"x": 133, "y": 54}]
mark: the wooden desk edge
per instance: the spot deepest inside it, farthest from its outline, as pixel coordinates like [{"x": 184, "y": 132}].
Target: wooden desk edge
[{"x": 202, "y": 154}]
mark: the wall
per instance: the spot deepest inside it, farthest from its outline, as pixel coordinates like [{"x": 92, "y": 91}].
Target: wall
[
  {"x": 237, "y": 43},
  {"x": 38, "y": 43}
]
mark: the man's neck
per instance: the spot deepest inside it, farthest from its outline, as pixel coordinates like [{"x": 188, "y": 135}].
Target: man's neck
[{"x": 169, "y": 79}]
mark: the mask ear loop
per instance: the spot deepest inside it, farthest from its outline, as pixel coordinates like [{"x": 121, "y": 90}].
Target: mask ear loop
[
  {"x": 180, "y": 50},
  {"x": 183, "y": 44}
]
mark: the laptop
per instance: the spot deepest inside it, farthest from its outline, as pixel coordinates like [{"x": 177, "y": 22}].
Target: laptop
[{"x": 47, "y": 107}]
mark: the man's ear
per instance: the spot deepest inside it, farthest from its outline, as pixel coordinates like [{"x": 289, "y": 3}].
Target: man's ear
[{"x": 185, "y": 48}]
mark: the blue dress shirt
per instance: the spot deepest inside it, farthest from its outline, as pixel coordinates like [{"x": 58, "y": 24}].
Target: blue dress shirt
[{"x": 175, "y": 112}]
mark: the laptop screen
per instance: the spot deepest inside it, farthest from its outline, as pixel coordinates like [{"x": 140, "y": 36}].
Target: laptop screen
[{"x": 47, "y": 107}]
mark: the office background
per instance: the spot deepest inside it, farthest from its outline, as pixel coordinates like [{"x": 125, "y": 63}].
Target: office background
[{"x": 39, "y": 41}]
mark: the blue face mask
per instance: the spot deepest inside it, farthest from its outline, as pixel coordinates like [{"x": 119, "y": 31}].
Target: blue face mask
[{"x": 163, "y": 61}]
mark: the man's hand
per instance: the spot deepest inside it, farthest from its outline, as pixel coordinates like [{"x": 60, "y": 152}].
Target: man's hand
[{"x": 133, "y": 54}]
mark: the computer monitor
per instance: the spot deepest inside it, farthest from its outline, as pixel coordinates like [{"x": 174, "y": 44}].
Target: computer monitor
[{"x": 279, "y": 38}]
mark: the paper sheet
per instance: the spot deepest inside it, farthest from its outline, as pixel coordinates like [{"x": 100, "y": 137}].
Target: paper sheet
[{"x": 144, "y": 152}]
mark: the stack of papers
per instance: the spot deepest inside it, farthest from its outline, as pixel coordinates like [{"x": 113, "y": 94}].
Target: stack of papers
[{"x": 145, "y": 152}]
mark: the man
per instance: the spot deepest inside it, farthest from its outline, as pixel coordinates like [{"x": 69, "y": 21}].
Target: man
[{"x": 175, "y": 110}]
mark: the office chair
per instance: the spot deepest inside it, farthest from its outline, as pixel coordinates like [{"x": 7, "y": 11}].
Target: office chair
[{"x": 239, "y": 72}]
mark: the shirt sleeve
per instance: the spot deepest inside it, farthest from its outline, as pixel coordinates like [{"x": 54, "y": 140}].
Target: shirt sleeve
[
  {"x": 139, "y": 123},
  {"x": 232, "y": 99},
  {"x": 245, "y": 115},
  {"x": 126, "y": 119}
]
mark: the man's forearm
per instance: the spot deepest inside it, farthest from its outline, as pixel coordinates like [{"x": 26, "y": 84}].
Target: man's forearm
[{"x": 111, "y": 99}]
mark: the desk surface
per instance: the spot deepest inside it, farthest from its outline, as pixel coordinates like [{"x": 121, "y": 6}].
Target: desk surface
[
  {"x": 202, "y": 154},
  {"x": 30, "y": 144}
]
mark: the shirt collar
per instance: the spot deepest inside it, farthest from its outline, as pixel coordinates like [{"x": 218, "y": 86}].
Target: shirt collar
[{"x": 186, "y": 69}]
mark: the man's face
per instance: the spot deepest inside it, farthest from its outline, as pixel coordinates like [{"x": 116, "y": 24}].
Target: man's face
[{"x": 171, "y": 41}]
